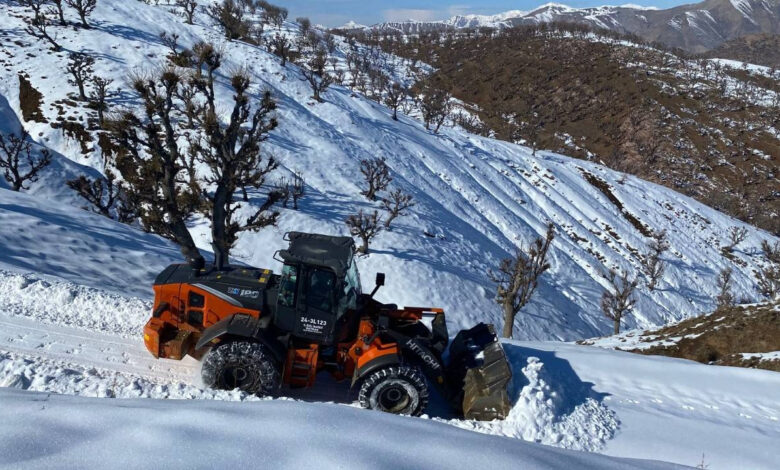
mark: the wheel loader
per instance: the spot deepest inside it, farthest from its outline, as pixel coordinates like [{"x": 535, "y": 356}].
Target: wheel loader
[{"x": 258, "y": 332}]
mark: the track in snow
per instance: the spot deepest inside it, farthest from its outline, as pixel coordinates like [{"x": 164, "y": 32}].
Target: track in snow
[{"x": 89, "y": 349}]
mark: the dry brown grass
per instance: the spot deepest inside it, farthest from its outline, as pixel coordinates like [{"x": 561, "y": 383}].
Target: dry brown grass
[{"x": 721, "y": 337}]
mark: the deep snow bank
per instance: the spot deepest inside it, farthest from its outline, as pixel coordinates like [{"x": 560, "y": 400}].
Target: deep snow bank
[
  {"x": 673, "y": 409},
  {"x": 51, "y": 431},
  {"x": 551, "y": 408}
]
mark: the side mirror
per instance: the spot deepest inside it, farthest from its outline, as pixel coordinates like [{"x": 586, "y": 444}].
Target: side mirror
[{"x": 380, "y": 281}]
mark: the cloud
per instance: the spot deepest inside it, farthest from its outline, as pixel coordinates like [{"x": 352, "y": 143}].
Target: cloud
[{"x": 402, "y": 14}]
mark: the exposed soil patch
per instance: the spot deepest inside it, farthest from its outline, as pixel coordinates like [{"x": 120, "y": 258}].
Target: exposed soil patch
[
  {"x": 30, "y": 101},
  {"x": 606, "y": 189}
]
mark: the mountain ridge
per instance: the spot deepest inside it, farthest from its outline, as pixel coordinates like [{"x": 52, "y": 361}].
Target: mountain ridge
[{"x": 696, "y": 28}]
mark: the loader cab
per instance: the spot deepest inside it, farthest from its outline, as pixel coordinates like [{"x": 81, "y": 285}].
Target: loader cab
[{"x": 319, "y": 287}]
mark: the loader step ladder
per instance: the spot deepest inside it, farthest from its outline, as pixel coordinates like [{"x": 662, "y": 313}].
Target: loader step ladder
[{"x": 301, "y": 367}]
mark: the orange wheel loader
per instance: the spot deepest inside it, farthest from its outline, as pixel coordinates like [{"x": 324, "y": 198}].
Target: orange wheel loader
[{"x": 257, "y": 331}]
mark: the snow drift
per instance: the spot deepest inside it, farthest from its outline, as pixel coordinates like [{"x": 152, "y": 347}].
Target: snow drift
[{"x": 71, "y": 432}]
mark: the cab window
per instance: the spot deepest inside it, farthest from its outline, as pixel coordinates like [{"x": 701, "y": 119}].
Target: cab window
[
  {"x": 320, "y": 292},
  {"x": 353, "y": 280},
  {"x": 288, "y": 286}
]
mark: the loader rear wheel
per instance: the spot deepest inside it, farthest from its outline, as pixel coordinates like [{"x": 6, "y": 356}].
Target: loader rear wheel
[
  {"x": 397, "y": 389},
  {"x": 241, "y": 365}
]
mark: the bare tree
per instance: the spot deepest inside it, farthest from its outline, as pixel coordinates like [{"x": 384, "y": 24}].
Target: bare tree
[
  {"x": 618, "y": 300},
  {"x": 35, "y": 5},
  {"x": 59, "y": 10},
  {"x": 725, "y": 284},
  {"x": 80, "y": 69},
  {"x": 518, "y": 277},
  {"x": 396, "y": 204},
  {"x": 436, "y": 107},
  {"x": 99, "y": 95},
  {"x": 298, "y": 188},
  {"x": 233, "y": 154},
  {"x": 159, "y": 175},
  {"x": 652, "y": 263},
  {"x": 281, "y": 47},
  {"x": 736, "y": 236},
  {"x": 105, "y": 195},
  {"x": 230, "y": 15},
  {"x": 377, "y": 176},
  {"x": 180, "y": 57},
  {"x": 529, "y": 122},
  {"x": 282, "y": 188},
  {"x": 273, "y": 14},
  {"x": 84, "y": 8},
  {"x": 37, "y": 27},
  {"x": 395, "y": 94},
  {"x": 305, "y": 25},
  {"x": 18, "y": 162},
  {"x": 364, "y": 226},
  {"x": 314, "y": 72},
  {"x": 769, "y": 276},
  {"x": 188, "y": 9}
]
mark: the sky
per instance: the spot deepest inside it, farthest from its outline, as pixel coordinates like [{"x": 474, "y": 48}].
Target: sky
[{"x": 334, "y": 13}]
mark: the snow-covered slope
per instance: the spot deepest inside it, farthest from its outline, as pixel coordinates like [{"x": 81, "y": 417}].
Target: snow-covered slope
[
  {"x": 78, "y": 432},
  {"x": 476, "y": 198},
  {"x": 74, "y": 293},
  {"x": 46, "y": 237}
]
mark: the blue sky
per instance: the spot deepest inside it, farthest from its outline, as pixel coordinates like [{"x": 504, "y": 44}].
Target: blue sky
[{"x": 337, "y": 12}]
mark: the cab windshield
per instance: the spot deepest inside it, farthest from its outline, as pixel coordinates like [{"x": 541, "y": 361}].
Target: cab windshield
[
  {"x": 320, "y": 293},
  {"x": 352, "y": 290}
]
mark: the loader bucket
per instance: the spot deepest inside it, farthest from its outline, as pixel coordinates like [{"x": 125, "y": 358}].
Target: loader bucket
[{"x": 479, "y": 372}]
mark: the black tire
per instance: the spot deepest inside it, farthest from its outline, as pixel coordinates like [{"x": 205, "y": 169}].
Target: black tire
[
  {"x": 241, "y": 365},
  {"x": 398, "y": 389}
]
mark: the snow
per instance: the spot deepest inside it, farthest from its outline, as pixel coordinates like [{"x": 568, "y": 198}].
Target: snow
[
  {"x": 634, "y": 6},
  {"x": 75, "y": 292},
  {"x": 352, "y": 25},
  {"x": 675, "y": 408},
  {"x": 744, "y": 7},
  {"x": 765, "y": 356},
  {"x": 476, "y": 197},
  {"x": 50, "y": 431},
  {"x": 552, "y": 409},
  {"x": 569, "y": 396},
  {"x": 43, "y": 236}
]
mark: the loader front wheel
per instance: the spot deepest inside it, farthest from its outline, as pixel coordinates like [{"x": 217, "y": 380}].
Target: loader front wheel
[
  {"x": 241, "y": 365},
  {"x": 397, "y": 389}
]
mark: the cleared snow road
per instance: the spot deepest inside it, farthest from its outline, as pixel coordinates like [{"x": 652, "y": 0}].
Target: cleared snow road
[{"x": 90, "y": 349}]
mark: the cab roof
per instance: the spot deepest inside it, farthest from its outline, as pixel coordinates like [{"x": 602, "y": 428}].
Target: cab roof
[{"x": 327, "y": 251}]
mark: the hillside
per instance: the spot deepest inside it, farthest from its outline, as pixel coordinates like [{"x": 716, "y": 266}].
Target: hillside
[
  {"x": 745, "y": 336},
  {"x": 762, "y": 49},
  {"x": 696, "y": 27},
  {"x": 706, "y": 128},
  {"x": 79, "y": 388},
  {"x": 476, "y": 197}
]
